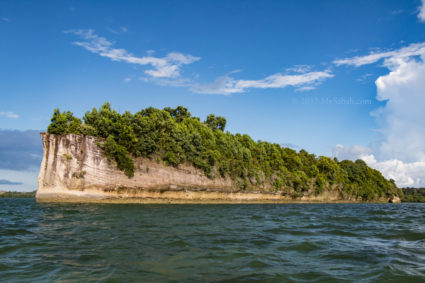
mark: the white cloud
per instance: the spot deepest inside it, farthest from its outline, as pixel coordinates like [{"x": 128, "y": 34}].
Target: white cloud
[
  {"x": 402, "y": 119},
  {"x": 279, "y": 80},
  {"x": 421, "y": 14},
  {"x": 222, "y": 85},
  {"x": 166, "y": 70},
  {"x": 390, "y": 56},
  {"x": 350, "y": 152},
  {"x": 174, "y": 82},
  {"x": 365, "y": 77},
  {"x": 118, "y": 31},
  {"x": 5, "y": 19},
  {"x": 228, "y": 85},
  {"x": 305, "y": 88},
  {"x": 397, "y": 12},
  {"x": 400, "y": 154},
  {"x": 300, "y": 69},
  {"x": 9, "y": 115},
  {"x": 406, "y": 174},
  {"x": 163, "y": 67}
]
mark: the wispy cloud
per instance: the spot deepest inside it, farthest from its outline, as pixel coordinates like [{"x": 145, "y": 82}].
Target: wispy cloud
[
  {"x": 365, "y": 77},
  {"x": 120, "y": 30},
  {"x": 163, "y": 67},
  {"x": 7, "y": 182},
  {"x": 9, "y": 115},
  {"x": 174, "y": 82},
  {"x": 413, "y": 49},
  {"x": 300, "y": 69},
  {"x": 305, "y": 88},
  {"x": 397, "y": 12},
  {"x": 166, "y": 70},
  {"x": 421, "y": 14},
  {"x": 5, "y": 20},
  {"x": 228, "y": 85}
]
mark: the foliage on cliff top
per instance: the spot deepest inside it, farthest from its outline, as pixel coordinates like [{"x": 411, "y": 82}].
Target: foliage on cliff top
[{"x": 175, "y": 137}]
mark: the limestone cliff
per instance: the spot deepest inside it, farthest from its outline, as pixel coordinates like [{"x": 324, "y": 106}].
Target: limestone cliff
[{"x": 75, "y": 169}]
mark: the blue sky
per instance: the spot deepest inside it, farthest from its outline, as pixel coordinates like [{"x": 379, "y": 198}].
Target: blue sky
[{"x": 291, "y": 72}]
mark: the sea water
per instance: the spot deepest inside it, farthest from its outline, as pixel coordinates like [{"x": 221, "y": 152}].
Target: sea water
[{"x": 242, "y": 242}]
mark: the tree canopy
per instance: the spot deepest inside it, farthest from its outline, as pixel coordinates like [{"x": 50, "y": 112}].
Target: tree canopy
[{"x": 174, "y": 137}]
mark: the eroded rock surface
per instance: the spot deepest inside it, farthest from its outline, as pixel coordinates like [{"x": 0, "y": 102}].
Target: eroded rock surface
[
  {"x": 74, "y": 168},
  {"x": 394, "y": 199}
]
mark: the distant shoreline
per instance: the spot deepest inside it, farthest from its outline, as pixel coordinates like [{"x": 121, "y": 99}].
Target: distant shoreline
[{"x": 14, "y": 194}]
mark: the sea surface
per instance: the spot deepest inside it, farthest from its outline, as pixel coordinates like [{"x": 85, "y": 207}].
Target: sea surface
[{"x": 270, "y": 243}]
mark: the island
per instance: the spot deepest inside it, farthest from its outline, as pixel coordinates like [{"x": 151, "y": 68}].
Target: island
[{"x": 169, "y": 156}]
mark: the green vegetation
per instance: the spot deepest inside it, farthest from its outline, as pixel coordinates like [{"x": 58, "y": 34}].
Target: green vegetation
[
  {"x": 67, "y": 156},
  {"x": 413, "y": 195},
  {"x": 174, "y": 137},
  {"x": 17, "y": 194}
]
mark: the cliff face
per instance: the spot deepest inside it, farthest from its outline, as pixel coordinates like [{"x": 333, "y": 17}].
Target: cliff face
[{"x": 75, "y": 169}]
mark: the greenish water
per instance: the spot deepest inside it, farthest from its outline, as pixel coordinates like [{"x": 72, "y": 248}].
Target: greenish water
[{"x": 276, "y": 243}]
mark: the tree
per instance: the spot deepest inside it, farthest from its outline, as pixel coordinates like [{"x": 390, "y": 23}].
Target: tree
[
  {"x": 64, "y": 123},
  {"x": 119, "y": 153},
  {"x": 178, "y": 113},
  {"x": 215, "y": 123}
]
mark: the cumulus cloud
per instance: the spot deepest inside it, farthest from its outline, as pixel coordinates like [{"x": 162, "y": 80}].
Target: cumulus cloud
[
  {"x": 400, "y": 154},
  {"x": 406, "y": 174},
  {"x": 9, "y": 115},
  {"x": 163, "y": 67},
  {"x": 228, "y": 85},
  {"x": 402, "y": 119},
  {"x": 421, "y": 14},
  {"x": 350, "y": 152}
]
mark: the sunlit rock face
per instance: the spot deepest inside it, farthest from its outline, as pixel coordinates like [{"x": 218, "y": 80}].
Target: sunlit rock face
[{"x": 74, "y": 166}]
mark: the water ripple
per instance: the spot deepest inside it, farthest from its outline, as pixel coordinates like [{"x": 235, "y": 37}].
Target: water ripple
[{"x": 272, "y": 243}]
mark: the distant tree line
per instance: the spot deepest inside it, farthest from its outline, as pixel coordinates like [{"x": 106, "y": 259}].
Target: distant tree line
[
  {"x": 413, "y": 195},
  {"x": 174, "y": 137},
  {"x": 17, "y": 194}
]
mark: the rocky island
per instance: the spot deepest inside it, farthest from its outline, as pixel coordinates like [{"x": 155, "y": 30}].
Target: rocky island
[{"x": 168, "y": 156}]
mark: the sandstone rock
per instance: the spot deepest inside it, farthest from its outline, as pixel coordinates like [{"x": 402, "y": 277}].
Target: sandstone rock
[
  {"x": 75, "y": 169},
  {"x": 394, "y": 199}
]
